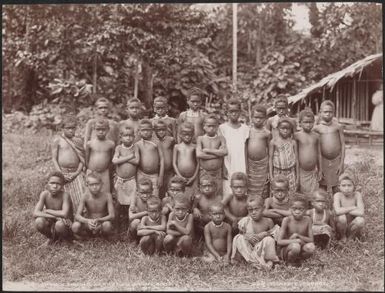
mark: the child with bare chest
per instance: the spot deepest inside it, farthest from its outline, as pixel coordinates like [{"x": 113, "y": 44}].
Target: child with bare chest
[
  {"x": 218, "y": 238},
  {"x": 161, "y": 108},
  {"x": 257, "y": 153},
  {"x": 235, "y": 204},
  {"x": 211, "y": 148},
  {"x": 151, "y": 163},
  {"x": 99, "y": 210},
  {"x": 134, "y": 112},
  {"x": 296, "y": 235},
  {"x": 184, "y": 158},
  {"x": 332, "y": 147},
  {"x": 176, "y": 186},
  {"x": 99, "y": 152},
  {"x": 281, "y": 106}
]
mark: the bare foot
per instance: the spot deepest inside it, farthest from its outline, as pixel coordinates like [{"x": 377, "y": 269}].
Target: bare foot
[{"x": 344, "y": 239}]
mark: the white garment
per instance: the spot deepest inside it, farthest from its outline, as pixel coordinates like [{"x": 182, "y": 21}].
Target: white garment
[{"x": 377, "y": 122}]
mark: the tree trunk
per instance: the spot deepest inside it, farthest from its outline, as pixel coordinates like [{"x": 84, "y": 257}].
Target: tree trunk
[
  {"x": 146, "y": 88},
  {"x": 95, "y": 75}
]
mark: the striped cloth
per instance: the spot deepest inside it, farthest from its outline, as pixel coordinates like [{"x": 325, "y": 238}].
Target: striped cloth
[
  {"x": 308, "y": 181},
  {"x": 290, "y": 175},
  {"x": 75, "y": 188},
  {"x": 258, "y": 174}
]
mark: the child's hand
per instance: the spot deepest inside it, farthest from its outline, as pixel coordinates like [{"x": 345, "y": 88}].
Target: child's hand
[
  {"x": 226, "y": 259},
  {"x": 92, "y": 224},
  {"x": 197, "y": 214},
  {"x": 161, "y": 233},
  {"x": 262, "y": 235},
  {"x": 293, "y": 236},
  {"x": 340, "y": 169},
  {"x": 164, "y": 210},
  {"x": 320, "y": 175},
  {"x": 160, "y": 181},
  {"x": 219, "y": 258}
]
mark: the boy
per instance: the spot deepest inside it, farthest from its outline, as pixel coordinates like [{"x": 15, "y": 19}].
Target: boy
[
  {"x": 193, "y": 115},
  {"x": 166, "y": 144},
  {"x": 176, "y": 186},
  {"x": 161, "y": 108},
  {"x": 258, "y": 154},
  {"x": 99, "y": 152},
  {"x": 184, "y": 158},
  {"x": 236, "y": 203},
  {"x": 133, "y": 111},
  {"x": 138, "y": 205},
  {"x": 349, "y": 209},
  {"x": 277, "y": 207},
  {"x": 211, "y": 148},
  {"x": 296, "y": 236},
  {"x": 281, "y": 106},
  {"x": 283, "y": 158},
  {"x": 179, "y": 228},
  {"x": 98, "y": 207},
  {"x": 152, "y": 228},
  {"x": 151, "y": 162},
  {"x": 126, "y": 159},
  {"x": 68, "y": 158},
  {"x": 332, "y": 147},
  {"x": 256, "y": 243},
  {"x": 52, "y": 211},
  {"x": 102, "y": 109},
  {"x": 309, "y": 154},
  {"x": 202, "y": 202},
  {"x": 217, "y": 236},
  {"x": 235, "y": 134}
]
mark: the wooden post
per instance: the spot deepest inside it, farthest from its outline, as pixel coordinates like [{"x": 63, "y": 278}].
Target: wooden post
[
  {"x": 354, "y": 102},
  {"x": 338, "y": 102},
  {"x": 95, "y": 74},
  {"x": 235, "y": 29},
  {"x": 323, "y": 94},
  {"x": 367, "y": 100}
]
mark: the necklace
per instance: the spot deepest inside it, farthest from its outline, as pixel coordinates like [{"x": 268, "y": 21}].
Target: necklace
[
  {"x": 184, "y": 218},
  {"x": 127, "y": 148},
  {"x": 218, "y": 226},
  {"x": 153, "y": 221}
]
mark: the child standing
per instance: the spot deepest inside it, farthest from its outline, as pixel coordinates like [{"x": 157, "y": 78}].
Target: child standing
[
  {"x": 332, "y": 147},
  {"x": 211, "y": 148},
  {"x": 349, "y": 209},
  {"x": 256, "y": 243},
  {"x": 235, "y": 134},
  {"x": 151, "y": 163},
  {"x": 133, "y": 111},
  {"x": 283, "y": 158},
  {"x": 309, "y": 154},
  {"x": 281, "y": 106},
  {"x": 258, "y": 154},
  {"x": 176, "y": 185},
  {"x": 68, "y": 158},
  {"x": 161, "y": 109}
]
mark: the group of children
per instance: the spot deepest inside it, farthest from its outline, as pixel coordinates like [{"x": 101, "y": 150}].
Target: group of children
[{"x": 245, "y": 189}]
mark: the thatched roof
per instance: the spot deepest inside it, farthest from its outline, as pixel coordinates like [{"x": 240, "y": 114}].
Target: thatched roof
[{"x": 329, "y": 81}]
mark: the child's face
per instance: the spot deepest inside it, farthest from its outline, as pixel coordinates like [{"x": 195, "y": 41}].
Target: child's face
[
  {"x": 180, "y": 210},
  {"x": 102, "y": 109},
  {"x": 327, "y": 113},
  {"x": 258, "y": 119},
  {"x": 210, "y": 127},
  {"x": 281, "y": 109},
  {"x": 144, "y": 191},
  {"x": 346, "y": 187},
  {"x": 94, "y": 185},
  {"x": 133, "y": 110},
  {"x": 160, "y": 131},
  {"x": 298, "y": 210},
  {"x": 194, "y": 102},
  {"x": 284, "y": 129},
  {"x": 127, "y": 137},
  {"x": 146, "y": 131},
  {"x": 54, "y": 185},
  {"x": 207, "y": 188},
  {"x": 69, "y": 130},
  {"x": 153, "y": 211},
  {"x": 101, "y": 132},
  {"x": 160, "y": 109},
  {"x": 233, "y": 113},
  {"x": 175, "y": 188},
  {"x": 307, "y": 123},
  {"x": 280, "y": 190},
  {"x": 217, "y": 215},
  {"x": 186, "y": 135},
  {"x": 239, "y": 188},
  {"x": 255, "y": 211},
  {"x": 319, "y": 203}
]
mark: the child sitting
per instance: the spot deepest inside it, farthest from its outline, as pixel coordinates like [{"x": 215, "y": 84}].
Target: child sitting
[
  {"x": 349, "y": 209},
  {"x": 52, "y": 211},
  {"x": 161, "y": 108},
  {"x": 152, "y": 227},
  {"x": 256, "y": 243},
  {"x": 322, "y": 217},
  {"x": 236, "y": 203},
  {"x": 179, "y": 227},
  {"x": 295, "y": 237},
  {"x": 175, "y": 186},
  {"x": 277, "y": 207},
  {"x": 217, "y": 236}
]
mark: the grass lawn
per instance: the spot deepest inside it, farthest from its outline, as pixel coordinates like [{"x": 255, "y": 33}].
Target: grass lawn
[{"x": 102, "y": 265}]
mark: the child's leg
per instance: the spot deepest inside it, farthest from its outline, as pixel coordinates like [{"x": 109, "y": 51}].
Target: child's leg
[
  {"x": 307, "y": 250},
  {"x": 147, "y": 244},
  {"x": 43, "y": 225},
  {"x": 270, "y": 251},
  {"x": 106, "y": 229},
  {"x": 78, "y": 229},
  {"x": 292, "y": 252},
  {"x": 355, "y": 227},
  {"x": 62, "y": 231},
  {"x": 184, "y": 244},
  {"x": 133, "y": 227},
  {"x": 169, "y": 242},
  {"x": 322, "y": 240},
  {"x": 158, "y": 242},
  {"x": 341, "y": 226}
]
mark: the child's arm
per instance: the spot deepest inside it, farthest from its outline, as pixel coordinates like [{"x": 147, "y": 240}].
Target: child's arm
[
  {"x": 88, "y": 151},
  {"x": 281, "y": 212},
  {"x": 200, "y": 153},
  {"x": 282, "y": 235},
  {"x": 182, "y": 230},
  {"x": 359, "y": 209},
  {"x": 309, "y": 237},
  {"x": 161, "y": 226},
  {"x": 132, "y": 214},
  {"x": 271, "y": 152},
  {"x": 196, "y": 212},
  {"x": 174, "y": 130},
  {"x": 38, "y": 211},
  {"x": 267, "y": 212},
  {"x": 221, "y": 151},
  {"x": 171, "y": 227},
  {"x": 229, "y": 244},
  {"x": 319, "y": 164},
  {"x": 55, "y": 153},
  {"x": 110, "y": 207},
  {"x": 135, "y": 159},
  {"x": 87, "y": 132},
  {"x": 78, "y": 215},
  {"x": 161, "y": 166},
  {"x": 65, "y": 210},
  {"x": 342, "y": 139},
  {"x": 175, "y": 159},
  {"x": 194, "y": 175},
  {"x": 143, "y": 228},
  {"x": 228, "y": 214},
  {"x": 338, "y": 209},
  {"x": 296, "y": 165},
  {"x": 268, "y": 124},
  {"x": 208, "y": 241}
]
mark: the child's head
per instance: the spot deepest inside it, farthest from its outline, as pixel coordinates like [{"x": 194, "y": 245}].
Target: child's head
[
  {"x": 69, "y": 126},
  {"x": 55, "y": 182},
  {"x": 144, "y": 188},
  {"x": 281, "y": 105},
  {"x": 154, "y": 207},
  {"x": 145, "y": 129},
  {"x": 207, "y": 185},
  {"x": 280, "y": 187},
  {"x": 210, "y": 125},
  {"x": 233, "y": 110},
  {"x": 160, "y": 106},
  {"x": 94, "y": 182},
  {"x": 255, "y": 207},
  {"x": 319, "y": 200},
  {"x": 238, "y": 183},
  {"x": 186, "y": 132},
  {"x": 306, "y": 119},
  {"x": 102, "y": 107},
  {"x": 346, "y": 183},
  {"x": 259, "y": 115},
  {"x": 101, "y": 127},
  {"x": 160, "y": 128},
  {"x": 181, "y": 205},
  {"x": 194, "y": 100},
  {"x": 176, "y": 185},
  {"x": 285, "y": 127},
  {"x": 134, "y": 108},
  {"x": 217, "y": 213},
  {"x": 327, "y": 110},
  {"x": 127, "y": 136},
  {"x": 298, "y": 206}
]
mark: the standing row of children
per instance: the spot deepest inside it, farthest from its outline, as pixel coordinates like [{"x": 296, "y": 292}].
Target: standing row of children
[{"x": 175, "y": 188}]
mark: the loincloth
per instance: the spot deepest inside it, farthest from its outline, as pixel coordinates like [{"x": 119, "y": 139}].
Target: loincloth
[
  {"x": 258, "y": 175},
  {"x": 153, "y": 178},
  {"x": 125, "y": 189},
  {"x": 329, "y": 169},
  {"x": 308, "y": 181},
  {"x": 216, "y": 175},
  {"x": 105, "y": 177},
  {"x": 322, "y": 229},
  {"x": 290, "y": 175},
  {"x": 75, "y": 188}
]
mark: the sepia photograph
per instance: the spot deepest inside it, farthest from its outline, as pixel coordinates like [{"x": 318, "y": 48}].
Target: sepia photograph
[{"x": 193, "y": 147}]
